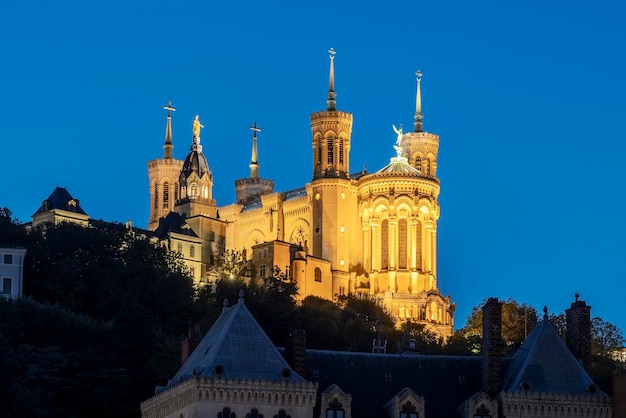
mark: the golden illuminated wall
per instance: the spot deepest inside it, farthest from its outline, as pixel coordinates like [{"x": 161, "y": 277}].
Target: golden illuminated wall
[{"x": 163, "y": 175}]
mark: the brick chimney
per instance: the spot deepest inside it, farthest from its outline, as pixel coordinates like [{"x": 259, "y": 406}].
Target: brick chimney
[
  {"x": 492, "y": 347},
  {"x": 295, "y": 351},
  {"x": 578, "y": 331},
  {"x": 189, "y": 344}
]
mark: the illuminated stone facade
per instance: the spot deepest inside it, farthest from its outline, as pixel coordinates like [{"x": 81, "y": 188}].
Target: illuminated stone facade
[{"x": 371, "y": 235}]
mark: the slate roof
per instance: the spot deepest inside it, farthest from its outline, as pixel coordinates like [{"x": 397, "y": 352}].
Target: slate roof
[
  {"x": 173, "y": 222},
  {"x": 236, "y": 347},
  {"x": 60, "y": 199},
  {"x": 544, "y": 364},
  {"x": 373, "y": 379}
]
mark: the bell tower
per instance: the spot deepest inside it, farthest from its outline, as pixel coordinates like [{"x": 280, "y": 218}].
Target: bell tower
[
  {"x": 334, "y": 194},
  {"x": 163, "y": 177}
]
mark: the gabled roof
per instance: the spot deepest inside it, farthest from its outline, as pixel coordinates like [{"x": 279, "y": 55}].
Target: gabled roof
[
  {"x": 236, "y": 347},
  {"x": 544, "y": 364},
  {"x": 60, "y": 199}
]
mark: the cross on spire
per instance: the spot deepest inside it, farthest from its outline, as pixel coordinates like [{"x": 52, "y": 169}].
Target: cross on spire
[
  {"x": 254, "y": 164},
  {"x": 167, "y": 153}
]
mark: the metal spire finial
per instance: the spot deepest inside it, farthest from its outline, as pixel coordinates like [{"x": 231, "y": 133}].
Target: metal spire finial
[
  {"x": 331, "y": 82},
  {"x": 418, "y": 103},
  {"x": 167, "y": 153},
  {"x": 254, "y": 164}
]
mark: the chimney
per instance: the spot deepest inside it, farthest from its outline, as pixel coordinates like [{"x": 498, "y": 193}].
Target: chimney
[
  {"x": 578, "y": 331},
  {"x": 189, "y": 344},
  {"x": 492, "y": 347},
  {"x": 295, "y": 351}
]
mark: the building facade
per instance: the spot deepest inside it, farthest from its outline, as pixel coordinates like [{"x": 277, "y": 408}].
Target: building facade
[
  {"x": 366, "y": 234},
  {"x": 12, "y": 271}
]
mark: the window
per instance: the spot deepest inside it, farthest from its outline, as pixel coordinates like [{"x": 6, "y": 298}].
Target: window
[
  {"x": 341, "y": 151},
  {"x": 226, "y": 413},
  {"x": 179, "y": 248},
  {"x": 384, "y": 244},
  {"x": 330, "y": 150},
  {"x": 192, "y": 272},
  {"x": 428, "y": 167},
  {"x": 288, "y": 272},
  {"x": 482, "y": 412},
  {"x": 262, "y": 270},
  {"x": 175, "y": 191},
  {"x": 254, "y": 413},
  {"x": 418, "y": 163},
  {"x": 318, "y": 274},
  {"x": 402, "y": 243},
  {"x": 6, "y": 286},
  {"x": 418, "y": 245},
  {"x": 212, "y": 236},
  {"x": 192, "y": 251},
  {"x": 8, "y": 259},
  {"x": 166, "y": 194},
  {"x": 408, "y": 411},
  {"x": 319, "y": 153},
  {"x": 156, "y": 196},
  {"x": 282, "y": 414},
  {"x": 335, "y": 410},
  {"x": 193, "y": 190}
]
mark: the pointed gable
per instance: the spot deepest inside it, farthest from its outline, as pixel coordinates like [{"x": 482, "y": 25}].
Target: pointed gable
[
  {"x": 236, "y": 347},
  {"x": 544, "y": 364}
]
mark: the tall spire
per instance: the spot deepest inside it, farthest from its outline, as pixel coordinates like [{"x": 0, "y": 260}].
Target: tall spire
[
  {"x": 418, "y": 104},
  {"x": 331, "y": 82},
  {"x": 167, "y": 147},
  {"x": 254, "y": 164}
]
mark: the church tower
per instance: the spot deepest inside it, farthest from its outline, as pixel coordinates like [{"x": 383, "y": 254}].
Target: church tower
[
  {"x": 163, "y": 175},
  {"x": 399, "y": 210},
  {"x": 196, "y": 181},
  {"x": 251, "y": 188},
  {"x": 420, "y": 147},
  {"x": 334, "y": 194}
]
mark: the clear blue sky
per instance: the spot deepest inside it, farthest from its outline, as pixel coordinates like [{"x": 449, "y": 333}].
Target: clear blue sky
[{"x": 528, "y": 98}]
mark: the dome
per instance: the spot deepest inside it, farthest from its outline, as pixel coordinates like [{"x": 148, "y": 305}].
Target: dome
[
  {"x": 195, "y": 162},
  {"x": 399, "y": 165}
]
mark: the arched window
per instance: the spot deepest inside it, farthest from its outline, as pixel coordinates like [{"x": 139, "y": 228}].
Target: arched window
[
  {"x": 341, "y": 151},
  {"x": 156, "y": 196},
  {"x": 212, "y": 236},
  {"x": 335, "y": 410},
  {"x": 330, "y": 150},
  {"x": 384, "y": 244},
  {"x": 428, "y": 166},
  {"x": 402, "y": 243},
  {"x": 319, "y": 152},
  {"x": 193, "y": 190},
  {"x": 418, "y": 245},
  {"x": 418, "y": 163},
  {"x": 166, "y": 195},
  {"x": 226, "y": 413},
  {"x": 262, "y": 270},
  {"x": 176, "y": 191},
  {"x": 179, "y": 248},
  {"x": 318, "y": 274},
  {"x": 192, "y": 251}
]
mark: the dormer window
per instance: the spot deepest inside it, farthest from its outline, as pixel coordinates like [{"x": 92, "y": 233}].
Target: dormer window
[{"x": 335, "y": 410}]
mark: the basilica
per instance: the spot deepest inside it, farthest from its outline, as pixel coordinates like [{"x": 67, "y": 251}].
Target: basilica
[{"x": 367, "y": 234}]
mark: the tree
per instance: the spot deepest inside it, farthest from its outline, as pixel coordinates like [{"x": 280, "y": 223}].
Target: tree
[
  {"x": 11, "y": 232},
  {"x": 517, "y": 321}
]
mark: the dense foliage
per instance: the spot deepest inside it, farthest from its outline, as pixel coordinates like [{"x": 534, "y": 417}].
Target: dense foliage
[{"x": 104, "y": 313}]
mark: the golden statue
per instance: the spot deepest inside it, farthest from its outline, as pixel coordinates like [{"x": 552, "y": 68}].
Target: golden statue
[{"x": 196, "y": 127}]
